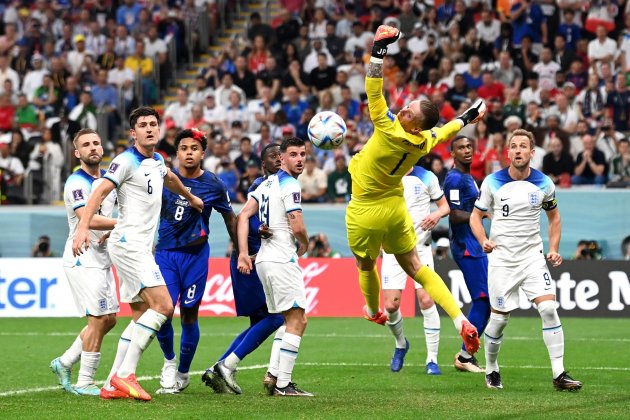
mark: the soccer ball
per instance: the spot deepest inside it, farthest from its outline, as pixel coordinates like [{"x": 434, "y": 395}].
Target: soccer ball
[{"x": 327, "y": 130}]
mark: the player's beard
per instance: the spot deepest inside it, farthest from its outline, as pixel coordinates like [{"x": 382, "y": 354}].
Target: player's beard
[{"x": 92, "y": 160}]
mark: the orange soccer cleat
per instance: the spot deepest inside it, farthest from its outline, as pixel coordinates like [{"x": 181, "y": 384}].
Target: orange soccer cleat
[
  {"x": 130, "y": 386},
  {"x": 114, "y": 394},
  {"x": 470, "y": 337},
  {"x": 380, "y": 318}
]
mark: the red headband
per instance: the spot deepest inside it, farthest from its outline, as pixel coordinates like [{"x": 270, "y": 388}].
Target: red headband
[{"x": 197, "y": 134}]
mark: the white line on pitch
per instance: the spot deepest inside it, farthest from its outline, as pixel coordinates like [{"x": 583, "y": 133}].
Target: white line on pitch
[{"x": 316, "y": 364}]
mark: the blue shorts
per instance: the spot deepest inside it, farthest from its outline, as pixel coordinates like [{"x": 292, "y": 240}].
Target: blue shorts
[
  {"x": 185, "y": 271},
  {"x": 475, "y": 271},
  {"x": 249, "y": 296}
]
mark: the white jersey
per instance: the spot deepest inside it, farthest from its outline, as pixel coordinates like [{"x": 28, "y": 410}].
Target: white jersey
[
  {"x": 139, "y": 181},
  {"x": 76, "y": 191},
  {"x": 421, "y": 187},
  {"x": 277, "y": 196},
  {"x": 515, "y": 208}
]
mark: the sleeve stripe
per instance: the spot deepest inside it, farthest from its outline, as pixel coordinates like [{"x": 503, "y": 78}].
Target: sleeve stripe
[
  {"x": 480, "y": 208},
  {"x": 78, "y": 206},
  {"x": 114, "y": 182},
  {"x": 254, "y": 198},
  {"x": 294, "y": 209},
  {"x": 439, "y": 198}
]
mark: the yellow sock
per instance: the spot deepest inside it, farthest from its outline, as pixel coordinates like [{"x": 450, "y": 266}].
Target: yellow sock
[
  {"x": 370, "y": 285},
  {"x": 435, "y": 287}
]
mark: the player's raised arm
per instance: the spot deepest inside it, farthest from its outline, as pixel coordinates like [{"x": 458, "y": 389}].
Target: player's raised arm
[
  {"x": 174, "y": 184},
  {"x": 242, "y": 231},
  {"x": 377, "y": 105},
  {"x": 81, "y": 238}
]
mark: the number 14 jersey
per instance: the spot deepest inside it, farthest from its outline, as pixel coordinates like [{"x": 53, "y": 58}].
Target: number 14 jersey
[{"x": 278, "y": 196}]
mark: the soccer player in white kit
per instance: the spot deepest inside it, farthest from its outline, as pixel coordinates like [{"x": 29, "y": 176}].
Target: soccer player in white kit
[
  {"x": 514, "y": 197},
  {"x": 90, "y": 276},
  {"x": 278, "y": 202},
  {"x": 138, "y": 174},
  {"x": 421, "y": 187}
]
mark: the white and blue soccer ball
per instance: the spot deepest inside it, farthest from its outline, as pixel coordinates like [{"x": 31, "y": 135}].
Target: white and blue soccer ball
[{"x": 327, "y": 130}]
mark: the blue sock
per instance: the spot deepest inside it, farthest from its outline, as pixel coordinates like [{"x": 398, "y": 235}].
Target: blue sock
[
  {"x": 188, "y": 345},
  {"x": 165, "y": 337},
  {"x": 479, "y": 314},
  {"x": 257, "y": 334},
  {"x": 235, "y": 343}
]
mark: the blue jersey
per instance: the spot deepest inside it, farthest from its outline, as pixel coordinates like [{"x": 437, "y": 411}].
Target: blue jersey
[
  {"x": 180, "y": 224},
  {"x": 461, "y": 193}
]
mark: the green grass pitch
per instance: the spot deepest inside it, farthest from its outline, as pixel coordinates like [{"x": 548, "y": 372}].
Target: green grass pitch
[{"x": 345, "y": 362}]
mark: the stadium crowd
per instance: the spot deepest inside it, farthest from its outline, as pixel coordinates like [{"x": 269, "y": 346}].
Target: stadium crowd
[{"x": 556, "y": 68}]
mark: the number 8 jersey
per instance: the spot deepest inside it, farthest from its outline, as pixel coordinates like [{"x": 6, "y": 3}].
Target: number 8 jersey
[
  {"x": 278, "y": 196},
  {"x": 515, "y": 207}
]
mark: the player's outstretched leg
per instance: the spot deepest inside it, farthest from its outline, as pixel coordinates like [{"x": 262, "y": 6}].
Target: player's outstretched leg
[
  {"x": 553, "y": 336},
  {"x": 108, "y": 392},
  {"x": 493, "y": 337},
  {"x": 478, "y": 315},
  {"x": 62, "y": 366}
]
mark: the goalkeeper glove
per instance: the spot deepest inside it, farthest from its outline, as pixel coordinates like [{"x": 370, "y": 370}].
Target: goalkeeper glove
[
  {"x": 385, "y": 35},
  {"x": 474, "y": 113}
]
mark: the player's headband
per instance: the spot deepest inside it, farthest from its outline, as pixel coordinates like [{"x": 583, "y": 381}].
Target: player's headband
[{"x": 198, "y": 134}]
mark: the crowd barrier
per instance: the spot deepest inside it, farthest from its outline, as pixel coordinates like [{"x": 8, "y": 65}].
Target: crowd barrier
[{"x": 38, "y": 288}]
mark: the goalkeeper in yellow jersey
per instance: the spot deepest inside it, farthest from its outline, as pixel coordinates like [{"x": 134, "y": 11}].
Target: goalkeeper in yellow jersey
[{"x": 377, "y": 215}]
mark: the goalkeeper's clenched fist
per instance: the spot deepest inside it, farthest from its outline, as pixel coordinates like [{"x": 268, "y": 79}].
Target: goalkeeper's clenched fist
[{"x": 385, "y": 35}]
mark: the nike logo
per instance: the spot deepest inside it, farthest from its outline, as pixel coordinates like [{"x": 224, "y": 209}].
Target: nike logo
[
  {"x": 186, "y": 302},
  {"x": 503, "y": 199},
  {"x": 147, "y": 174}
]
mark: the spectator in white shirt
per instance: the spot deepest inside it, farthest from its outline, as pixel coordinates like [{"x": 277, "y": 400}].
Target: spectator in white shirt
[
  {"x": 214, "y": 114},
  {"x": 236, "y": 112},
  {"x": 222, "y": 94},
  {"x": 75, "y": 61},
  {"x": 532, "y": 92},
  {"x": 122, "y": 77},
  {"x": 547, "y": 69},
  {"x": 34, "y": 78},
  {"x": 602, "y": 50},
  {"x": 7, "y": 73},
  {"x": 179, "y": 111},
  {"x": 488, "y": 28},
  {"x": 313, "y": 182}
]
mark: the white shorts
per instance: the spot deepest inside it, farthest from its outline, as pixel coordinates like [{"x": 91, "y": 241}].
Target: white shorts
[
  {"x": 393, "y": 277},
  {"x": 504, "y": 283},
  {"x": 93, "y": 290},
  {"x": 136, "y": 270},
  {"x": 283, "y": 284}
]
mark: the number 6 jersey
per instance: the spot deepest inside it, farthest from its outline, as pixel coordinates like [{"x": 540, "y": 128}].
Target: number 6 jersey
[
  {"x": 277, "y": 196},
  {"x": 180, "y": 224}
]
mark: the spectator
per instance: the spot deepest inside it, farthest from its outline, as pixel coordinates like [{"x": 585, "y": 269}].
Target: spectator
[
  {"x": 562, "y": 55},
  {"x": 257, "y": 57},
  {"x": 528, "y": 20},
  {"x": 591, "y": 102},
  {"x": 319, "y": 247},
  {"x": 301, "y": 130},
  {"x": 258, "y": 28},
  {"x": 294, "y": 107},
  {"x": 459, "y": 92},
  {"x": 569, "y": 30},
  {"x": 558, "y": 164},
  {"x": 263, "y": 110},
  {"x": 181, "y": 110},
  {"x": 334, "y": 44},
  {"x": 95, "y": 41},
  {"x": 142, "y": 66},
  {"x": 620, "y": 164},
  {"x": 608, "y": 138},
  {"x": 625, "y": 248},
  {"x": 313, "y": 181},
  {"x": 525, "y": 58},
  {"x": 26, "y": 114},
  {"x": 506, "y": 73},
  {"x": 213, "y": 114},
  {"x": 250, "y": 174},
  {"x": 46, "y": 163},
  {"x": 156, "y": 48},
  {"x": 588, "y": 250},
  {"x": 85, "y": 112},
  {"x": 76, "y": 61},
  {"x": 34, "y": 77},
  {"x": 127, "y": 14},
  {"x": 442, "y": 247},
  {"x": 601, "y": 50},
  {"x": 532, "y": 92},
  {"x": 352, "y": 105},
  {"x": 263, "y": 139},
  {"x": 358, "y": 39},
  {"x": 295, "y": 76},
  {"x": 339, "y": 181},
  {"x": 166, "y": 146},
  {"x": 236, "y": 112},
  {"x": 552, "y": 130},
  {"x": 42, "y": 248},
  {"x": 122, "y": 78},
  {"x": 6, "y": 72},
  {"x": 222, "y": 93},
  {"x": 46, "y": 96},
  {"x": 7, "y": 112},
  {"x": 197, "y": 119},
  {"x": 546, "y": 69},
  {"x": 618, "y": 102},
  {"x": 590, "y": 165},
  {"x": 230, "y": 176},
  {"x": 490, "y": 88},
  {"x": 473, "y": 74},
  {"x": 12, "y": 173},
  {"x": 246, "y": 156},
  {"x": 288, "y": 29},
  {"x": 496, "y": 154},
  {"x": 244, "y": 78}
]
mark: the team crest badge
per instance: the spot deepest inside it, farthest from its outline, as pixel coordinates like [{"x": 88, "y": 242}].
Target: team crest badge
[
  {"x": 500, "y": 302},
  {"x": 296, "y": 197},
  {"x": 102, "y": 304},
  {"x": 113, "y": 167},
  {"x": 533, "y": 199},
  {"x": 77, "y": 195}
]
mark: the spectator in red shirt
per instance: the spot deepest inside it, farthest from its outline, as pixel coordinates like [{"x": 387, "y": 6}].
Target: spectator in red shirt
[
  {"x": 432, "y": 85},
  {"x": 490, "y": 88},
  {"x": 447, "y": 112},
  {"x": 7, "y": 113}
]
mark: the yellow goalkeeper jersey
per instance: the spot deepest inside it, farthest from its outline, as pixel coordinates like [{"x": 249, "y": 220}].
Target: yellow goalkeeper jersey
[{"x": 377, "y": 170}]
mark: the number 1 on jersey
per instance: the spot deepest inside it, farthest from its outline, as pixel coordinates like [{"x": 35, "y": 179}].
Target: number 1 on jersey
[
  {"x": 263, "y": 212},
  {"x": 400, "y": 162}
]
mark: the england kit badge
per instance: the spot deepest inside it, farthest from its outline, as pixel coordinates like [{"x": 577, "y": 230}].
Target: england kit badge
[{"x": 533, "y": 199}]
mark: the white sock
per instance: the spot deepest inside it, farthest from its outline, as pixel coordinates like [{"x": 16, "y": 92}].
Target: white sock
[
  {"x": 274, "y": 360},
  {"x": 431, "y": 332},
  {"x": 121, "y": 351},
  {"x": 493, "y": 337},
  {"x": 553, "y": 336},
  {"x": 73, "y": 354},
  {"x": 395, "y": 324},
  {"x": 145, "y": 330},
  {"x": 288, "y": 353},
  {"x": 89, "y": 363},
  {"x": 231, "y": 361},
  {"x": 465, "y": 354}
]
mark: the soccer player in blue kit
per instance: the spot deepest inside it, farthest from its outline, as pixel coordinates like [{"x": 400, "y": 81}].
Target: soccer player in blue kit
[
  {"x": 461, "y": 193},
  {"x": 249, "y": 298},
  {"x": 182, "y": 252}
]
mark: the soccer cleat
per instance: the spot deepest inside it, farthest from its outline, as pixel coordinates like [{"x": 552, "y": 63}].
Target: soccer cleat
[
  {"x": 212, "y": 379},
  {"x": 467, "y": 365},
  {"x": 182, "y": 380},
  {"x": 167, "y": 377},
  {"x": 493, "y": 381},
  {"x": 64, "y": 375},
  {"x": 433, "y": 368},
  {"x": 113, "y": 394},
  {"x": 269, "y": 382},
  {"x": 130, "y": 386},
  {"x": 566, "y": 383},
  {"x": 89, "y": 389},
  {"x": 386, "y": 34},
  {"x": 290, "y": 390},
  {"x": 228, "y": 377},
  {"x": 398, "y": 360},
  {"x": 380, "y": 318},
  {"x": 470, "y": 337}
]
